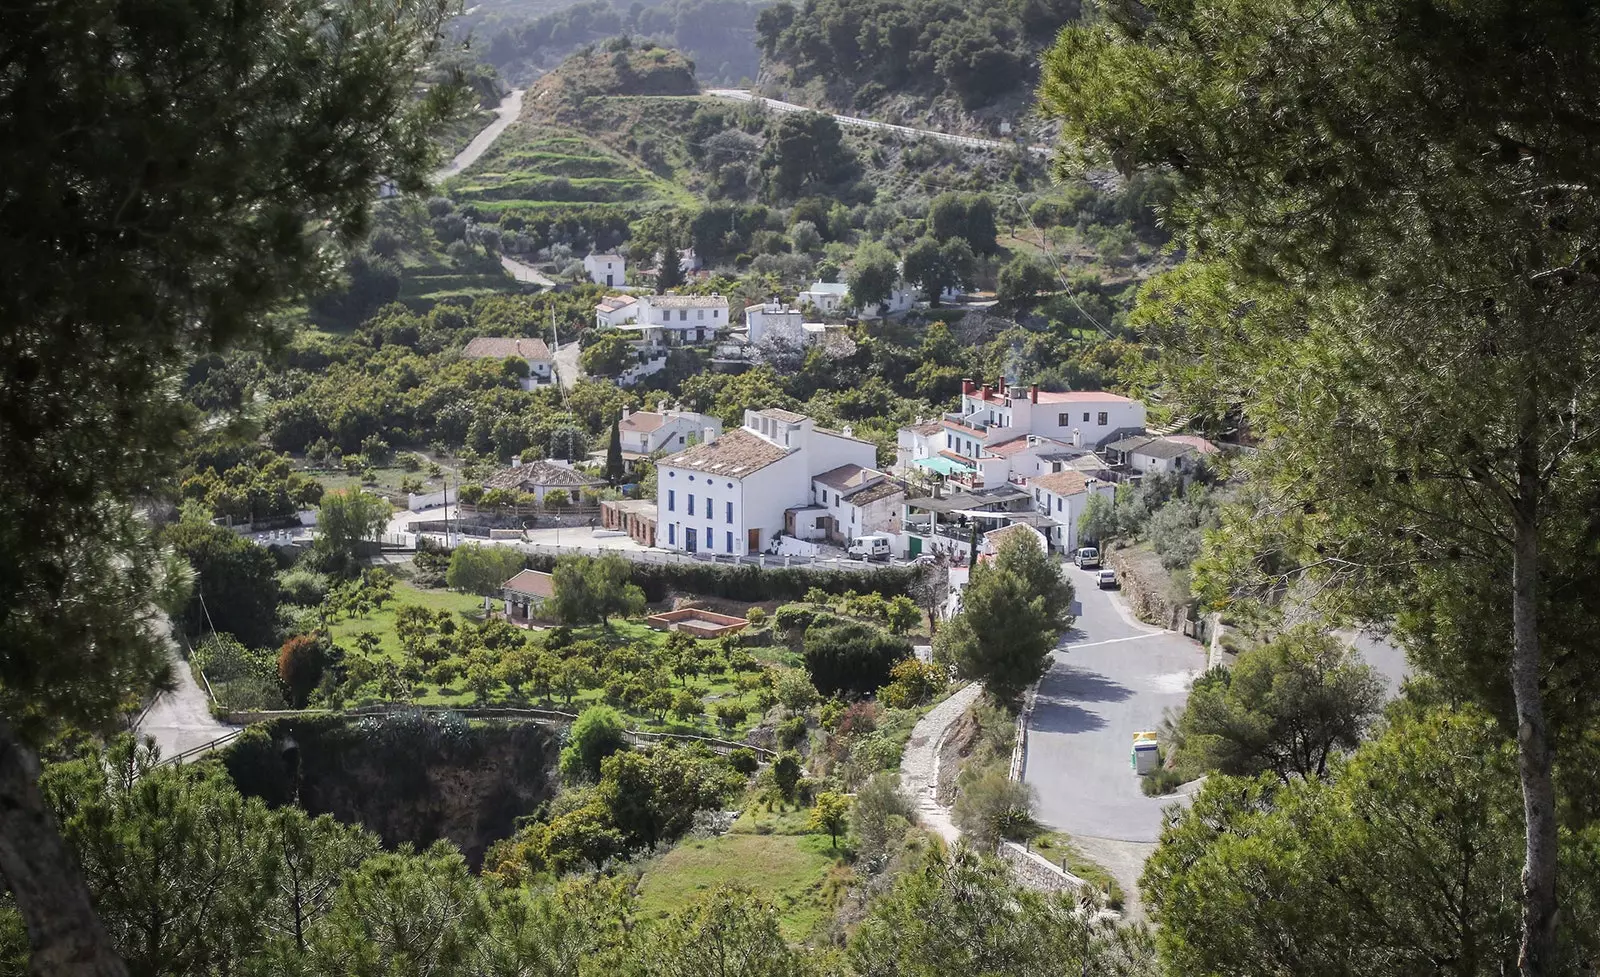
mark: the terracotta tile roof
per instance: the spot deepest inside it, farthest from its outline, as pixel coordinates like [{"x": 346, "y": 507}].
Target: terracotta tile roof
[
  {"x": 1061, "y": 483},
  {"x": 1082, "y": 396},
  {"x": 847, "y": 478},
  {"x": 643, "y": 421},
  {"x": 1006, "y": 449},
  {"x": 926, "y": 428},
  {"x": 1196, "y": 442},
  {"x": 542, "y": 474},
  {"x": 875, "y": 493},
  {"x": 500, "y": 347},
  {"x": 612, "y": 303},
  {"x": 735, "y": 455},
  {"x": 531, "y": 583},
  {"x": 606, "y": 257}
]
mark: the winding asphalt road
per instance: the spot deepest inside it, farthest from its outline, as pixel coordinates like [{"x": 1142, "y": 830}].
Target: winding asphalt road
[{"x": 1112, "y": 677}]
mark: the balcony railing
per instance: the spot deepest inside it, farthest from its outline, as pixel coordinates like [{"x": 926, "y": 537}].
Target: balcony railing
[{"x": 966, "y": 421}]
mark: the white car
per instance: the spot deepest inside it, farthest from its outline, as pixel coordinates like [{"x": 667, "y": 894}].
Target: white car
[
  {"x": 1087, "y": 558},
  {"x": 1106, "y": 579}
]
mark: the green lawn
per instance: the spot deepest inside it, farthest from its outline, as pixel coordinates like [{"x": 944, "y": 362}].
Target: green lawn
[
  {"x": 799, "y": 874},
  {"x": 381, "y": 622}
]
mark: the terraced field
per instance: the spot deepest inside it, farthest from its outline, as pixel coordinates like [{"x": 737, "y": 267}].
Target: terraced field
[
  {"x": 619, "y": 150},
  {"x": 539, "y": 164}
]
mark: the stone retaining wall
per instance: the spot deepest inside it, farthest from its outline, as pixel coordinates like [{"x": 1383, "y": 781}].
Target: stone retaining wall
[
  {"x": 1145, "y": 586},
  {"x": 1036, "y": 872}
]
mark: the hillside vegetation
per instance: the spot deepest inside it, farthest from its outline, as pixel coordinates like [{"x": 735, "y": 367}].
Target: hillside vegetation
[
  {"x": 718, "y": 34},
  {"x": 925, "y": 58}
]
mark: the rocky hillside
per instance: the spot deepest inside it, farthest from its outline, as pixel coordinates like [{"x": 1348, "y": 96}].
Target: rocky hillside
[
  {"x": 618, "y": 68},
  {"x": 412, "y": 778}
]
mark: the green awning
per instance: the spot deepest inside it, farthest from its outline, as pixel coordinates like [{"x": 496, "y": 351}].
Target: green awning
[{"x": 945, "y": 466}]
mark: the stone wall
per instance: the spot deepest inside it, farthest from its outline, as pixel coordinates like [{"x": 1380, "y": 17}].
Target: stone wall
[
  {"x": 1036, "y": 872},
  {"x": 1147, "y": 587}
]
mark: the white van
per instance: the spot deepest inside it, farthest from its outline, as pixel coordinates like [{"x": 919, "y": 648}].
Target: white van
[
  {"x": 1087, "y": 558},
  {"x": 870, "y": 547}
]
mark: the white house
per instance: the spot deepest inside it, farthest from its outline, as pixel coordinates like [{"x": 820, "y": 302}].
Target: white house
[
  {"x": 777, "y": 320},
  {"x": 828, "y": 297},
  {"x": 919, "y": 441},
  {"x": 534, "y": 352},
  {"x": 730, "y": 495},
  {"x": 645, "y": 432},
  {"x": 1146, "y": 455},
  {"x": 991, "y": 416},
  {"x": 1063, "y": 496},
  {"x": 673, "y": 320},
  {"x": 616, "y": 310},
  {"x": 606, "y": 269},
  {"x": 853, "y": 501}
]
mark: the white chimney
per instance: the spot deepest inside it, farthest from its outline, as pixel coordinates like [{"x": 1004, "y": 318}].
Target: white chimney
[
  {"x": 516, "y": 461},
  {"x": 710, "y": 435},
  {"x": 849, "y": 431},
  {"x": 625, "y": 412}
]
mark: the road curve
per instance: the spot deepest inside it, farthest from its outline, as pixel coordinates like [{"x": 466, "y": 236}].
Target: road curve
[
  {"x": 1111, "y": 677},
  {"x": 505, "y": 113},
  {"x": 973, "y": 142}
]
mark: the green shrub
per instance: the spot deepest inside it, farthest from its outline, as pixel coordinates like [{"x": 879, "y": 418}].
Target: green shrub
[
  {"x": 1160, "y": 781},
  {"x": 792, "y": 732},
  {"x": 791, "y": 618},
  {"x": 745, "y": 761}
]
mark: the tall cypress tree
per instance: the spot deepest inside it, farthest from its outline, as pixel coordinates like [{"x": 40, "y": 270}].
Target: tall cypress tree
[{"x": 614, "y": 454}]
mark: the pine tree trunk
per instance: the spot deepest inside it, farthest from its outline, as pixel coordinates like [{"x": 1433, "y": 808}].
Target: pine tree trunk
[
  {"x": 1535, "y": 755},
  {"x": 64, "y": 933}
]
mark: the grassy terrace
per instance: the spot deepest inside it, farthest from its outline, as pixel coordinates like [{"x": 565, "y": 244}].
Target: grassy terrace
[
  {"x": 630, "y": 154},
  {"x": 799, "y": 873}
]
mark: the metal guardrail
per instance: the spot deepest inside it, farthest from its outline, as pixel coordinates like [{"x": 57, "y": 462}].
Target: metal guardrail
[{"x": 203, "y": 748}]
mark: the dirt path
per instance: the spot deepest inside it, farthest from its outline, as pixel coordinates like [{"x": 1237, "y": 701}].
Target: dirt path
[
  {"x": 919, "y": 766},
  {"x": 505, "y": 114}
]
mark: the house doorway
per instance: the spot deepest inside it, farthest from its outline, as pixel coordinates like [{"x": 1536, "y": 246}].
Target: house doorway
[
  {"x": 609, "y": 281},
  {"x": 690, "y": 540},
  {"x": 753, "y": 541}
]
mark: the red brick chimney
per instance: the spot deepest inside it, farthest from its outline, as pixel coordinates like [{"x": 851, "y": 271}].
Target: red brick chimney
[
  {"x": 967, "y": 386},
  {"x": 986, "y": 391},
  {"x": 1033, "y": 393}
]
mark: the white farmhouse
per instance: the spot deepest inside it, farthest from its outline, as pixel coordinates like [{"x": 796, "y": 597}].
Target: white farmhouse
[
  {"x": 1147, "y": 455},
  {"x": 853, "y": 501},
  {"x": 533, "y": 352},
  {"x": 645, "y": 432},
  {"x": 828, "y": 297},
  {"x": 610, "y": 270},
  {"x": 730, "y": 495},
  {"x": 918, "y": 442},
  {"x": 1078, "y": 418},
  {"x": 775, "y": 320},
  {"x": 674, "y": 320},
  {"x": 616, "y": 310},
  {"x": 1063, "y": 496}
]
